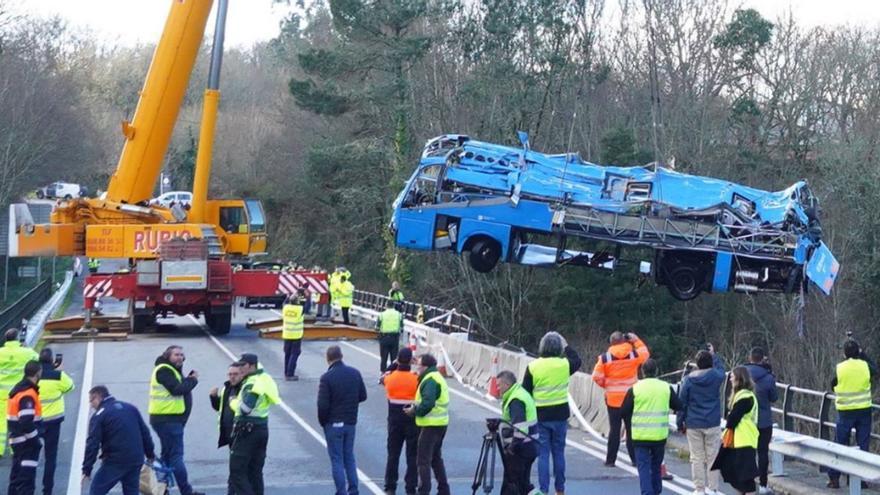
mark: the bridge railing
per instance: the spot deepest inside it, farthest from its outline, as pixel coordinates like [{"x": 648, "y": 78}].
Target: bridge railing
[
  {"x": 797, "y": 414},
  {"x": 445, "y": 320},
  {"x": 25, "y": 306}
]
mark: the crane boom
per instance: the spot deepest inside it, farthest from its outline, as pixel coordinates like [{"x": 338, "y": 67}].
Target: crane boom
[{"x": 148, "y": 135}]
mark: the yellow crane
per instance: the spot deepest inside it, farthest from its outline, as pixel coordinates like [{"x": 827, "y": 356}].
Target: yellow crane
[{"x": 121, "y": 224}]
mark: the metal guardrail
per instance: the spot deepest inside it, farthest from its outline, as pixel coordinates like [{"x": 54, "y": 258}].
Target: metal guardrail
[
  {"x": 445, "y": 320},
  {"x": 820, "y": 424},
  {"x": 26, "y": 305},
  {"x": 38, "y": 321}
]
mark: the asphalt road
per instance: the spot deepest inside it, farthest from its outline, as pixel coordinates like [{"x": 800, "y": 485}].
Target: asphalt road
[{"x": 297, "y": 461}]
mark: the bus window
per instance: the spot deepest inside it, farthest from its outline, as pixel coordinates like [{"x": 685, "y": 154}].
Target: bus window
[{"x": 424, "y": 188}]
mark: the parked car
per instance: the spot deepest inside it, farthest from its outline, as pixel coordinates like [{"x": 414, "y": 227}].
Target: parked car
[
  {"x": 62, "y": 190},
  {"x": 183, "y": 197}
]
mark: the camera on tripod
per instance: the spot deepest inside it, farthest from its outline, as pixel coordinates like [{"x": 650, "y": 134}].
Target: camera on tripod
[
  {"x": 484, "y": 476},
  {"x": 492, "y": 424}
]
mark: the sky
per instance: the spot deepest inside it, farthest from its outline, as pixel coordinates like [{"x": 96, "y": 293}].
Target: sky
[{"x": 129, "y": 22}]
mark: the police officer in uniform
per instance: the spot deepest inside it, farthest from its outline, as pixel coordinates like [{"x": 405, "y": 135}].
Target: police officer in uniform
[
  {"x": 94, "y": 264},
  {"x": 23, "y": 413},
  {"x": 250, "y": 434},
  {"x": 293, "y": 321},
  {"x": 645, "y": 410},
  {"x": 54, "y": 385},
  {"x": 13, "y": 357},
  {"x": 852, "y": 390},
  {"x": 389, "y": 323},
  {"x": 520, "y": 449}
]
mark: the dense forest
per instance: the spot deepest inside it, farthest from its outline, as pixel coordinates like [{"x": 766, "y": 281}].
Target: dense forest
[{"x": 326, "y": 121}]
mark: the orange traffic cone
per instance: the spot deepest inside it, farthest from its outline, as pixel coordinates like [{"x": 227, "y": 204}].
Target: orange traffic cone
[
  {"x": 493, "y": 380},
  {"x": 664, "y": 474}
]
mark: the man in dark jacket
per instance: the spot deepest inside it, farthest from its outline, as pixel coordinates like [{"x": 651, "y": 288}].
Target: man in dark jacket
[
  {"x": 119, "y": 432},
  {"x": 226, "y": 415},
  {"x": 765, "y": 391},
  {"x": 23, "y": 413},
  {"x": 551, "y": 398},
  {"x": 340, "y": 392},
  {"x": 700, "y": 417},
  {"x": 169, "y": 408},
  {"x": 220, "y": 402}
]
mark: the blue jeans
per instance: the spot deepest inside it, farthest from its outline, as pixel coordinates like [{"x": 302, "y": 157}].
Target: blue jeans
[
  {"x": 110, "y": 474},
  {"x": 551, "y": 439},
  {"x": 649, "y": 457},
  {"x": 846, "y": 421},
  {"x": 171, "y": 438},
  {"x": 340, "y": 447}
]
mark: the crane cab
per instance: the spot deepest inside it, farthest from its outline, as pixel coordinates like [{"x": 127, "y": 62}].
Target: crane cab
[{"x": 241, "y": 222}]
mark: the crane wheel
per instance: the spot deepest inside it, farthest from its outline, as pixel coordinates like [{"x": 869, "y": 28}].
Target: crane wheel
[{"x": 219, "y": 320}]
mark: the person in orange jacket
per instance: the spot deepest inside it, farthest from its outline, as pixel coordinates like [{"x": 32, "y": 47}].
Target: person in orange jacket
[{"x": 616, "y": 371}]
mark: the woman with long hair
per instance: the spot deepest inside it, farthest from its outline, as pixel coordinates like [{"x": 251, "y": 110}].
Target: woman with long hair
[{"x": 737, "y": 458}]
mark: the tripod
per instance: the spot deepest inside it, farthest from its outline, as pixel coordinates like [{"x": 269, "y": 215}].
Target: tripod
[{"x": 485, "y": 473}]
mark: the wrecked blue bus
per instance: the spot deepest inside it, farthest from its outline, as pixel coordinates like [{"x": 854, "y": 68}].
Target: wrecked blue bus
[{"x": 495, "y": 203}]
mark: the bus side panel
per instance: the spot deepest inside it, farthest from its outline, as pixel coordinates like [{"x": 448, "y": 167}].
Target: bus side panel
[
  {"x": 721, "y": 280},
  {"x": 415, "y": 228}
]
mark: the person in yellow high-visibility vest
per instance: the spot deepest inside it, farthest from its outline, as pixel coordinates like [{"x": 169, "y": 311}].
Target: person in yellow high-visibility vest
[
  {"x": 645, "y": 411},
  {"x": 852, "y": 398},
  {"x": 546, "y": 379},
  {"x": 13, "y": 357},
  {"x": 431, "y": 410},
  {"x": 737, "y": 459},
  {"x": 293, "y": 321},
  {"x": 389, "y": 323},
  {"x": 169, "y": 408},
  {"x": 54, "y": 385},
  {"x": 520, "y": 415},
  {"x": 346, "y": 298},
  {"x": 247, "y": 455}
]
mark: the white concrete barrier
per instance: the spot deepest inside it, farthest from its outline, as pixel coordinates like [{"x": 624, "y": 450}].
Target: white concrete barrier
[{"x": 473, "y": 364}]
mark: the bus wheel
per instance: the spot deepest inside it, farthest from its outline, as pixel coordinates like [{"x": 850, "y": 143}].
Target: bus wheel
[{"x": 484, "y": 255}]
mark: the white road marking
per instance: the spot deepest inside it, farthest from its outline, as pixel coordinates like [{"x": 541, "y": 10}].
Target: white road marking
[
  {"x": 597, "y": 453},
  {"x": 74, "y": 481},
  {"x": 372, "y": 486}
]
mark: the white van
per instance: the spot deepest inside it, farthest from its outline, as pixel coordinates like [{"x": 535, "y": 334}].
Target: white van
[{"x": 64, "y": 190}]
